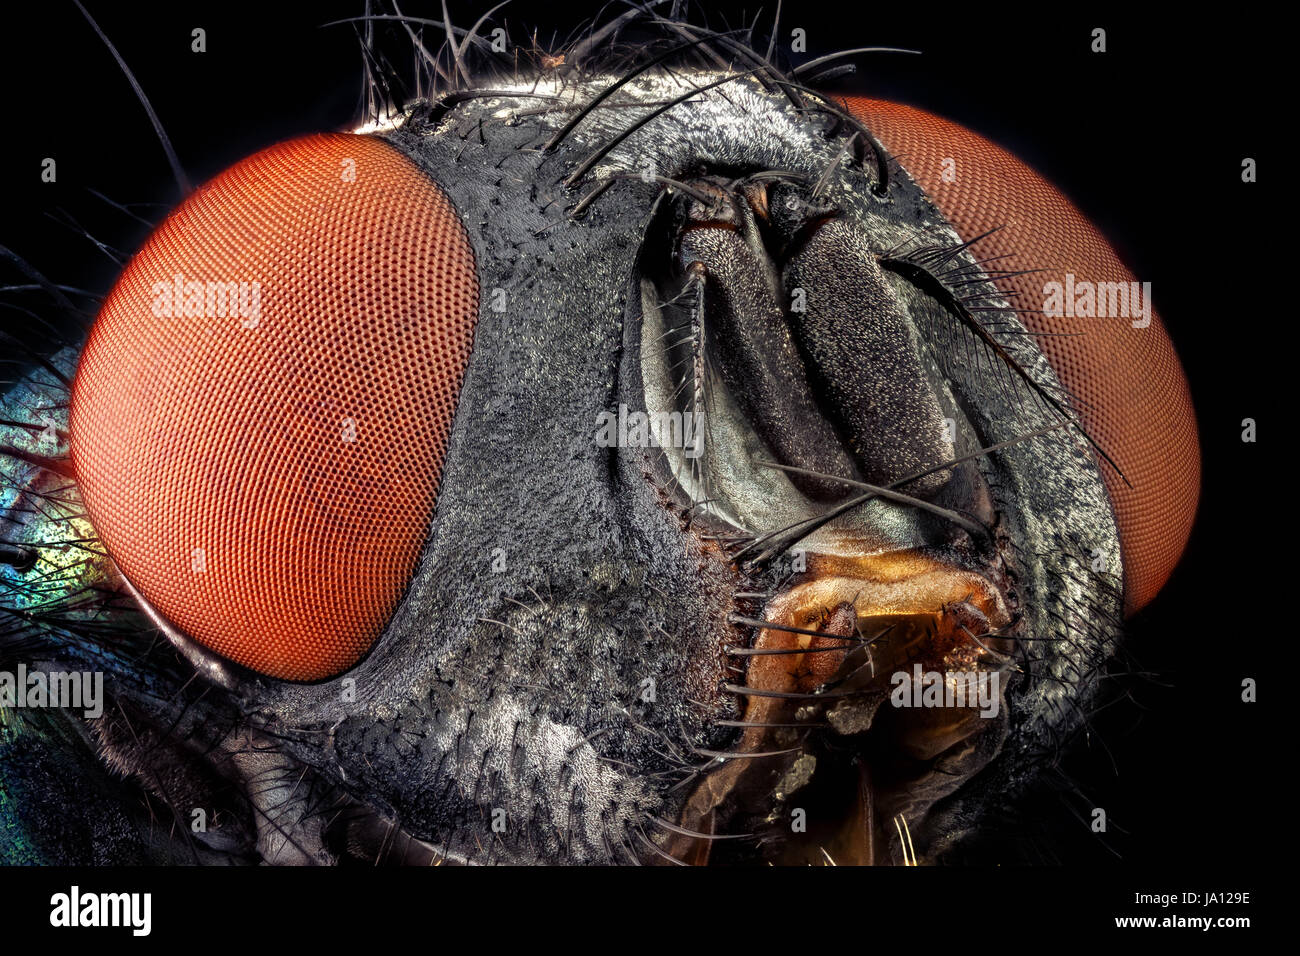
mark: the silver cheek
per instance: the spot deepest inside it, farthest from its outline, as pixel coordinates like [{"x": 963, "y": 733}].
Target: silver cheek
[{"x": 209, "y": 666}]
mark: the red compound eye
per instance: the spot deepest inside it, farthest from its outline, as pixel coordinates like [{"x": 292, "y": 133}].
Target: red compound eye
[
  {"x": 261, "y": 413},
  {"x": 1134, "y": 397}
]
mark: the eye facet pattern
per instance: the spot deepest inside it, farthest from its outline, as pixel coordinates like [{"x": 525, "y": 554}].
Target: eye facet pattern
[
  {"x": 261, "y": 414},
  {"x": 1133, "y": 395}
]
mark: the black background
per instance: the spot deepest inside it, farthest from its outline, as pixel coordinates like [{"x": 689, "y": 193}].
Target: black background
[{"x": 1147, "y": 139}]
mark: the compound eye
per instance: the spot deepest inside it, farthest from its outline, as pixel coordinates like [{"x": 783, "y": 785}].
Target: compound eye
[
  {"x": 1133, "y": 394},
  {"x": 261, "y": 413}
]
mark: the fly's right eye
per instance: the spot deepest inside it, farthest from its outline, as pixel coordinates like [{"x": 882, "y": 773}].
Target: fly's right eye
[{"x": 261, "y": 413}]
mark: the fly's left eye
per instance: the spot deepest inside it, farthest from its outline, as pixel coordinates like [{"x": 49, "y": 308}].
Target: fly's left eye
[
  {"x": 260, "y": 416},
  {"x": 1116, "y": 359}
]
